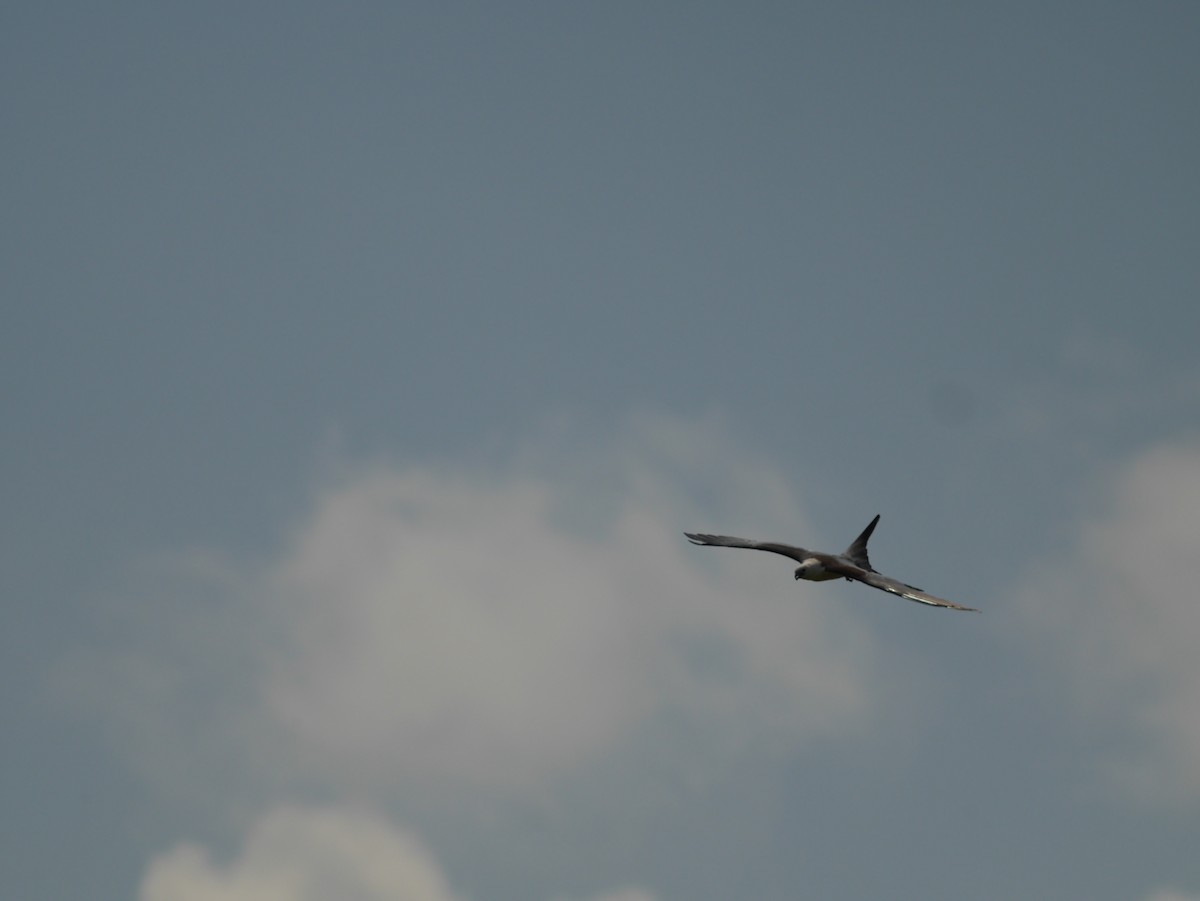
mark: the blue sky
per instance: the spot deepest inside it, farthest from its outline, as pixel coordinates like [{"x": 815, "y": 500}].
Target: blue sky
[{"x": 364, "y": 365}]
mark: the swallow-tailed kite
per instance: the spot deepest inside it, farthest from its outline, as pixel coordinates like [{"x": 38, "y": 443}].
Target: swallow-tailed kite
[{"x": 815, "y": 566}]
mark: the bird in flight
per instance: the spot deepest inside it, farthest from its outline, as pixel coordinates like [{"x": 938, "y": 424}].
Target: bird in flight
[{"x": 852, "y": 563}]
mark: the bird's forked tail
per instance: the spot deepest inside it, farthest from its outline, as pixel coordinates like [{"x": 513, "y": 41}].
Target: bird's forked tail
[{"x": 858, "y": 550}]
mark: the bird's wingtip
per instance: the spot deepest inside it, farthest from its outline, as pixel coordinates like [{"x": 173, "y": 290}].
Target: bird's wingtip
[{"x": 950, "y": 605}]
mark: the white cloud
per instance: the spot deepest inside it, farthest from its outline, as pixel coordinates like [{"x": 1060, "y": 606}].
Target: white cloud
[
  {"x": 443, "y": 625},
  {"x": 294, "y": 853},
  {"x": 303, "y": 854},
  {"x": 1119, "y": 613},
  {"x": 454, "y": 630}
]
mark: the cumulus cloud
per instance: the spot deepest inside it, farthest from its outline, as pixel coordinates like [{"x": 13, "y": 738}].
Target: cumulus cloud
[
  {"x": 294, "y": 853},
  {"x": 459, "y": 628},
  {"x": 305, "y": 854},
  {"x": 1119, "y": 613}
]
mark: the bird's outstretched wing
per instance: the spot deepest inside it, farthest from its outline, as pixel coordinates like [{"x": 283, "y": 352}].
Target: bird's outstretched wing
[
  {"x": 895, "y": 586},
  {"x": 798, "y": 554}
]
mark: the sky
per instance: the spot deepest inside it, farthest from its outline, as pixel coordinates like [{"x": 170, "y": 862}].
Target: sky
[{"x": 364, "y": 364}]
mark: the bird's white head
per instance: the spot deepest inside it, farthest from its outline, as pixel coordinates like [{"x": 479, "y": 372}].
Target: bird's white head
[{"x": 812, "y": 570}]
